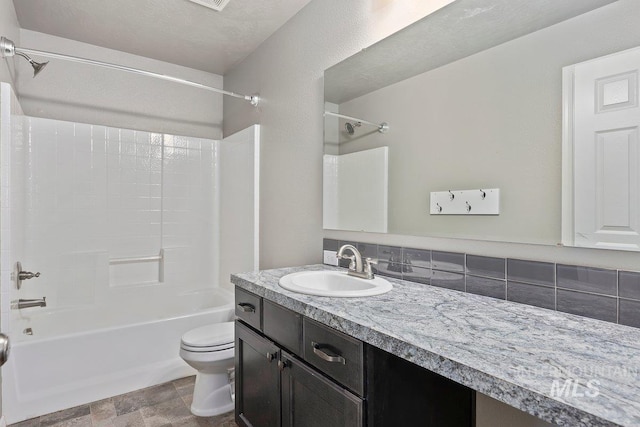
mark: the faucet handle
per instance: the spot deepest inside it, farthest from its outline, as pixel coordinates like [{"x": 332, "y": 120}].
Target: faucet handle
[{"x": 368, "y": 262}]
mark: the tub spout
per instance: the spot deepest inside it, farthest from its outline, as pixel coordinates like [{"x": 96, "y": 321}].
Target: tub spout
[{"x": 27, "y": 303}]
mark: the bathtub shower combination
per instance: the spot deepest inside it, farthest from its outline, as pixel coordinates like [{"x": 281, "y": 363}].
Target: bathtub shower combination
[{"x": 126, "y": 229}]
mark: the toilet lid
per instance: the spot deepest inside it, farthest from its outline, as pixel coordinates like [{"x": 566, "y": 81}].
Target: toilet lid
[{"x": 217, "y": 334}]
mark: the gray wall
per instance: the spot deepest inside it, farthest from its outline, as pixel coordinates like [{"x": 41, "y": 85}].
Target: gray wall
[
  {"x": 84, "y": 93},
  {"x": 8, "y": 28},
  {"x": 491, "y": 120},
  {"x": 287, "y": 71}
]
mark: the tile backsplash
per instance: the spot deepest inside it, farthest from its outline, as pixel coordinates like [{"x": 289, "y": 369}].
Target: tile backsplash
[{"x": 605, "y": 294}]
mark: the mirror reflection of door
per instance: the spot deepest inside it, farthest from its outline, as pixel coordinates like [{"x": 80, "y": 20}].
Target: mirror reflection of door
[{"x": 603, "y": 119}]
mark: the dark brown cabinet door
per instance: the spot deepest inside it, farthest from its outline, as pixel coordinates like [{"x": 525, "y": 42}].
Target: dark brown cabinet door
[
  {"x": 257, "y": 379},
  {"x": 400, "y": 393},
  {"x": 311, "y": 400}
]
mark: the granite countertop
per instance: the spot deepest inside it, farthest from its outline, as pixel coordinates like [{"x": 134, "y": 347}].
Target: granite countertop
[{"x": 518, "y": 354}]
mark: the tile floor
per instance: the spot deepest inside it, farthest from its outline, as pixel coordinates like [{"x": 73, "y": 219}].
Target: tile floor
[{"x": 164, "y": 405}]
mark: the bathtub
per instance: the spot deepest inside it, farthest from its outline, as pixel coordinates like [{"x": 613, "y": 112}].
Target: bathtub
[{"x": 83, "y": 355}]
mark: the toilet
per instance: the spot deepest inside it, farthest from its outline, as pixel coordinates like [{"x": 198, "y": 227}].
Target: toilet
[{"x": 210, "y": 350}]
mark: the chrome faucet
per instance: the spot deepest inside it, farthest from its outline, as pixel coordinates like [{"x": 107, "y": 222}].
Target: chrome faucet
[
  {"x": 28, "y": 303},
  {"x": 356, "y": 267}
]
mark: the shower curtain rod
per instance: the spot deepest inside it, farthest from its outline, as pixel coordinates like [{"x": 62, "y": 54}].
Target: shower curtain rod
[
  {"x": 9, "y": 49},
  {"x": 382, "y": 127},
  {"x": 342, "y": 116}
]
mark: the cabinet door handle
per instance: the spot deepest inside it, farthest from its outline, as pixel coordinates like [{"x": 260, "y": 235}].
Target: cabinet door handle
[
  {"x": 282, "y": 364},
  {"x": 246, "y": 307},
  {"x": 270, "y": 356},
  {"x": 332, "y": 358}
]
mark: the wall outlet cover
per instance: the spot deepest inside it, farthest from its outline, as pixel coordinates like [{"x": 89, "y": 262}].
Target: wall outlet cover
[{"x": 330, "y": 258}]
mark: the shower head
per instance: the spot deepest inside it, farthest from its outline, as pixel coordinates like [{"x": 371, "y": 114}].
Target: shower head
[
  {"x": 37, "y": 66},
  {"x": 351, "y": 127},
  {"x": 8, "y": 49}
]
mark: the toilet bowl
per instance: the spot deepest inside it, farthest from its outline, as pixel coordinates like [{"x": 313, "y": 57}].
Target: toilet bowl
[{"x": 210, "y": 350}]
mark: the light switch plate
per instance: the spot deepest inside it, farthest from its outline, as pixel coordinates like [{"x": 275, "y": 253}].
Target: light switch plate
[{"x": 330, "y": 258}]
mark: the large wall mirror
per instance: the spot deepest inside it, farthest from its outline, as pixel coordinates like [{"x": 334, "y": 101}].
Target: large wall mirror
[{"x": 483, "y": 94}]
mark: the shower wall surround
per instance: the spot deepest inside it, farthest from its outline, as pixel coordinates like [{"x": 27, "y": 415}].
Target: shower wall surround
[
  {"x": 97, "y": 198},
  {"x": 604, "y": 294},
  {"x": 106, "y": 213},
  {"x": 12, "y": 202}
]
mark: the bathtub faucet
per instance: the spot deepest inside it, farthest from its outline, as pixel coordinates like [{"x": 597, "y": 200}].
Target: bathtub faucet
[{"x": 27, "y": 303}]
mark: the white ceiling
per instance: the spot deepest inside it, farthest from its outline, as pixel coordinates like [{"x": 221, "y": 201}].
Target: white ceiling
[{"x": 175, "y": 31}]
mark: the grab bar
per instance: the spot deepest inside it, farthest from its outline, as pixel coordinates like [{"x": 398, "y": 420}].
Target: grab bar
[{"x": 130, "y": 260}]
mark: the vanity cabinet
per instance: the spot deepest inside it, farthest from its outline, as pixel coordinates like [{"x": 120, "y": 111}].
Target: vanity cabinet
[
  {"x": 293, "y": 371},
  {"x": 275, "y": 388}
]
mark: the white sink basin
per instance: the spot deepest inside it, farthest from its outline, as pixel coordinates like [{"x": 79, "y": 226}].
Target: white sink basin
[{"x": 334, "y": 284}]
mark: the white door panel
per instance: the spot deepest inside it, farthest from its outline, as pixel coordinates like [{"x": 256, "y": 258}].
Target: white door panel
[{"x": 606, "y": 122}]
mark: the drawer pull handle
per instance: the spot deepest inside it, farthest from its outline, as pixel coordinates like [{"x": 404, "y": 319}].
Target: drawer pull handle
[
  {"x": 332, "y": 358},
  {"x": 246, "y": 307}
]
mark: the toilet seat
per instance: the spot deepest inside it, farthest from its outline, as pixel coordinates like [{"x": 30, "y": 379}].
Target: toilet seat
[
  {"x": 207, "y": 349},
  {"x": 209, "y": 338}
]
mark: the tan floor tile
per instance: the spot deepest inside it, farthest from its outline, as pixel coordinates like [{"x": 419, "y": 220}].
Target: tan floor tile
[
  {"x": 185, "y": 382},
  {"x": 132, "y": 419},
  {"x": 164, "y": 405},
  {"x": 183, "y": 391},
  {"x": 160, "y": 393},
  {"x": 156, "y": 422},
  {"x": 129, "y": 402},
  {"x": 33, "y": 422},
  {"x": 192, "y": 421},
  {"x": 84, "y": 421},
  {"x": 64, "y": 415},
  {"x": 102, "y": 410},
  {"x": 224, "y": 420},
  {"x": 165, "y": 413},
  {"x": 187, "y": 399}
]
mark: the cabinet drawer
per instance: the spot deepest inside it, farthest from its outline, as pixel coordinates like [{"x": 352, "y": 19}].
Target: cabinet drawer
[
  {"x": 334, "y": 353},
  {"x": 249, "y": 308},
  {"x": 282, "y": 325}
]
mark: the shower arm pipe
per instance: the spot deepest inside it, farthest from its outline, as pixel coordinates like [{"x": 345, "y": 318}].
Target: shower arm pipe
[
  {"x": 253, "y": 99},
  {"x": 382, "y": 127}
]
